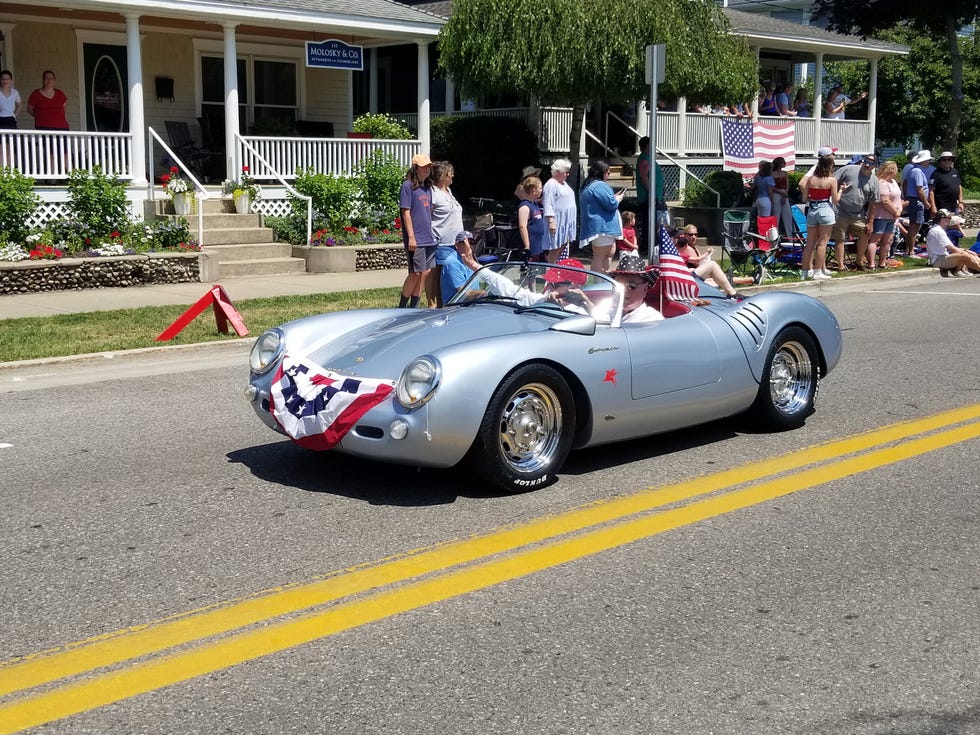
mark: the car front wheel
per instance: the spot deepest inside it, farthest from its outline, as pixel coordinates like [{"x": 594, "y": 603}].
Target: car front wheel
[
  {"x": 526, "y": 433},
  {"x": 788, "y": 389}
]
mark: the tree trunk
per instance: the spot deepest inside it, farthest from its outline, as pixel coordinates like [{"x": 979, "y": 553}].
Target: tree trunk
[
  {"x": 952, "y": 133},
  {"x": 574, "y": 144}
]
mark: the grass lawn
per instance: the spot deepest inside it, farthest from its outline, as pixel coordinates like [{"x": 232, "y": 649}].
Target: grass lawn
[{"x": 106, "y": 331}]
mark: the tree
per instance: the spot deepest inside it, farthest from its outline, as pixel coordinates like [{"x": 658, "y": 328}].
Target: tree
[
  {"x": 942, "y": 20},
  {"x": 577, "y": 52}
]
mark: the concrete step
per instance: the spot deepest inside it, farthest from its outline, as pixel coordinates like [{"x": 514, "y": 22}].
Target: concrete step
[
  {"x": 261, "y": 267},
  {"x": 236, "y": 235},
  {"x": 245, "y": 251}
]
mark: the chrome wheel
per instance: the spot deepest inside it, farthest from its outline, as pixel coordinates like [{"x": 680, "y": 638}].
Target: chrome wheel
[
  {"x": 791, "y": 378},
  {"x": 530, "y": 428}
]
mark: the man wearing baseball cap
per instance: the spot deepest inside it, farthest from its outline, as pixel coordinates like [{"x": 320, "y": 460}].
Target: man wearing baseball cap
[
  {"x": 860, "y": 193},
  {"x": 915, "y": 188},
  {"x": 945, "y": 186}
]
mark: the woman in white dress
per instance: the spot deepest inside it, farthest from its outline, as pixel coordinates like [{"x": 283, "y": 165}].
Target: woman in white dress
[{"x": 560, "y": 212}]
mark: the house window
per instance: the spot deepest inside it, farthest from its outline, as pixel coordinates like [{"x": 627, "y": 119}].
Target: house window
[{"x": 267, "y": 96}]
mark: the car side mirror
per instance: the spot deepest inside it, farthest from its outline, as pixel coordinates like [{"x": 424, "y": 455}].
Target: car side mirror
[{"x": 579, "y": 324}]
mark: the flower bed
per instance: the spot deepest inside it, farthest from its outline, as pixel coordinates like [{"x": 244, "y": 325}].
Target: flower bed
[{"x": 65, "y": 274}]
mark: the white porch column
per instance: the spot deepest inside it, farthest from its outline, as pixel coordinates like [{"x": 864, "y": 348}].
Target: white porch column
[
  {"x": 872, "y": 105},
  {"x": 231, "y": 101},
  {"x": 818, "y": 104},
  {"x": 450, "y": 96},
  {"x": 642, "y": 122},
  {"x": 424, "y": 133},
  {"x": 7, "y": 31},
  {"x": 682, "y": 126},
  {"x": 755, "y": 97},
  {"x": 137, "y": 121},
  {"x": 373, "y": 82}
]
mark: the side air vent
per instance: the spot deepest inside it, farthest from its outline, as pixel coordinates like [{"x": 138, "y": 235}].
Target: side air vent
[{"x": 752, "y": 318}]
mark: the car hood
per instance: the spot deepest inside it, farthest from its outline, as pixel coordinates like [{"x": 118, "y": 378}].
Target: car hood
[{"x": 381, "y": 348}]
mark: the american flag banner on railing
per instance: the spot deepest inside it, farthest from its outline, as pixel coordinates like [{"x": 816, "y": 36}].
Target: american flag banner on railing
[{"x": 744, "y": 144}]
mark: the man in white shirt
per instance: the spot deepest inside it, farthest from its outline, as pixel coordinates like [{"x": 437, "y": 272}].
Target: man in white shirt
[{"x": 944, "y": 255}]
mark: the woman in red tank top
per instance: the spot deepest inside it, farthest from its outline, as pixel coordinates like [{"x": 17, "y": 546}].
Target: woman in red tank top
[{"x": 821, "y": 192}]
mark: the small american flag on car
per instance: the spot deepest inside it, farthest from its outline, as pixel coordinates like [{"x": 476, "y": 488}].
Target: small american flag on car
[
  {"x": 317, "y": 407},
  {"x": 678, "y": 283}
]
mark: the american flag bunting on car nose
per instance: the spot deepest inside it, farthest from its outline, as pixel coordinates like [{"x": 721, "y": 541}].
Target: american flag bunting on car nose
[{"x": 316, "y": 408}]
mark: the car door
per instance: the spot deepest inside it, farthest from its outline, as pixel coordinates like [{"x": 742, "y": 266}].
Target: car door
[{"x": 672, "y": 355}]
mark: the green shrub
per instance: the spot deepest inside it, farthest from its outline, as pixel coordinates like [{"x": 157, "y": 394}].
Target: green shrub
[
  {"x": 379, "y": 177},
  {"x": 381, "y": 126},
  {"x": 18, "y": 203},
  {"x": 728, "y": 184},
  {"x": 97, "y": 200},
  {"x": 334, "y": 197},
  {"x": 488, "y": 154}
]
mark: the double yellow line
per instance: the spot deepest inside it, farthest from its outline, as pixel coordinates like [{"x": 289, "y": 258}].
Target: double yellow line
[{"x": 158, "y": 654}]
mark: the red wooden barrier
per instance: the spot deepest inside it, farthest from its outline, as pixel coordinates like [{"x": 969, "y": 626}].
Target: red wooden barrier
[{"x": 224, "y": 312}]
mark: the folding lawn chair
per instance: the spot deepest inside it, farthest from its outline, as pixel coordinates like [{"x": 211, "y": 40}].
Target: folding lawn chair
[{"x": 734, "y": 226}]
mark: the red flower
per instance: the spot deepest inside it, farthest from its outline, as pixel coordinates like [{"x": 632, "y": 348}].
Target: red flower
[
  {"x": 165, "y": 179},
  {"x": 245, "y": 169},
  {"x": 385, "y": 232},
  {"x": 174, "y": 170},
  {"x": 398, "y": 223},
  {"x": 114, "y": 235}
]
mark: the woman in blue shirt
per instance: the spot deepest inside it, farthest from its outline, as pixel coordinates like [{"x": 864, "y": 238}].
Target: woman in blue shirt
[
  {"x": 530, "y": 220},
  {"x": 601, "y": 225}
]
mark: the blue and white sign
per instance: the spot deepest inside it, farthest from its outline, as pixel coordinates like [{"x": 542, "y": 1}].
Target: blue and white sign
[{"x": 334, "y": 54}]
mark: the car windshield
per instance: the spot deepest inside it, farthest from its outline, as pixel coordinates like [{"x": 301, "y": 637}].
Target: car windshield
[{"x": 544, "y": 286}]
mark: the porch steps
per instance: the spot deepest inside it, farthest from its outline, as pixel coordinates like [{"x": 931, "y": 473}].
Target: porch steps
[
  {"x": 238, "y": 243},
  {"x": 618, "y": 180}
]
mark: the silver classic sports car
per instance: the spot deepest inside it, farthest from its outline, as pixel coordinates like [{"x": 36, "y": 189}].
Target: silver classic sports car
[{"x": 529, "y": 361}]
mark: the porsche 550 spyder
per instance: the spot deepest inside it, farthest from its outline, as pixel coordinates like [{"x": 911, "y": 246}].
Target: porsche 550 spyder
[{"x": 513, "y": 373}]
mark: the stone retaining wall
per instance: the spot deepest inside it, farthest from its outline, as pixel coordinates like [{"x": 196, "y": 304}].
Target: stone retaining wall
[
  {"x": 379, "y": 258},
  {"x": 27, "y": 276}
]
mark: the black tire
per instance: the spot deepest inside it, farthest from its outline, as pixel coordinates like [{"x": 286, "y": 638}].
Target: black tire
[
  {"x": 788, "y": 390},
  {"x": 526, "y": 433}
]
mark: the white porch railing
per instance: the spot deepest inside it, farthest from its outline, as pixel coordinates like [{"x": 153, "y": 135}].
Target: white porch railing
[
  {"x": 270, "y": 157},
  {"x": 200, "y": 193},
  {"x": 53, "y": 154},
  {"x": 702, "y": 134}
]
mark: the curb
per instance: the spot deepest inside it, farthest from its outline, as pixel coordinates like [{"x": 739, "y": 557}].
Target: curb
[{"x": 94, "y": 356}]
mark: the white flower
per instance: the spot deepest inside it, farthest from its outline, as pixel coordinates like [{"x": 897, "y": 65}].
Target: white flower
[
  {"x": 13, "y": 252},
  {"x": 114, "y": 248}
]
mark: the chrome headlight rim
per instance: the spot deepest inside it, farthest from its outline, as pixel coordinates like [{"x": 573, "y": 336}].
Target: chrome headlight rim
[
  {"x": 267, "y": 351},
  {"x": 419, "y": 381}
]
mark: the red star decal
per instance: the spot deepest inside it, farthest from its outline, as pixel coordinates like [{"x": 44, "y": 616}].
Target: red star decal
[{"x": 610, "y": 377}]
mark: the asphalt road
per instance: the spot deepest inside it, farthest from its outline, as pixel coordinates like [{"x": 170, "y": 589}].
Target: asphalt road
[{"x": 839, "y": 593}]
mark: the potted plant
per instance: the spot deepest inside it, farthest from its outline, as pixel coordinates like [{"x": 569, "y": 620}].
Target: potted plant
[
  {"x": 242, "y": 190},
  {"x": 176, "y": 188}
]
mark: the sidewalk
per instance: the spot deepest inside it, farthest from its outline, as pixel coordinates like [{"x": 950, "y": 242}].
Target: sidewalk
[{"x": 49, "y": 303}]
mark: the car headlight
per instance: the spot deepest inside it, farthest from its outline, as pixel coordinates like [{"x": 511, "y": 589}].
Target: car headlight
[
  {"x": 266, "y": 351},
  {"x": 419, "y": 381}
]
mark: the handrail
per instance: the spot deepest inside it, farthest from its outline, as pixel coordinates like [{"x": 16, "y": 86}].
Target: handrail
[
  {"x": 659, "y": 153},
  {"x": 610, "y": 113},
  {"x": 309, "y": 200},
  {"x": 609, "y": 151},
  {"x": 691, "y": 173},
  {"x": 200, "y": 193}
]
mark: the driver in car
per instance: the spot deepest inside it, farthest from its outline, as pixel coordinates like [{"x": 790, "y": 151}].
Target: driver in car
[{"x": 632, "y": 273}]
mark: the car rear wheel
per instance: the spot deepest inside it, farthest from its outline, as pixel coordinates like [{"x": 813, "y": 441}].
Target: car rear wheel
[
  {"x": 788, "y": 390},
  {"x": 526, "y": 433}
]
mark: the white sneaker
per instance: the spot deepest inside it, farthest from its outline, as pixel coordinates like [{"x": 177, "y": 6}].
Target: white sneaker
[
  {"x": 827, "y": 272},
  {"x": 821, "y": 276},
  {"x": 807, "y": 275}
]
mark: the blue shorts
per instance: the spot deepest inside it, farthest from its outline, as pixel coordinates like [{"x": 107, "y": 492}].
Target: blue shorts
[
  {"x": 443, "y": 252},
  {"x": 883, "y": 226},
  {"x": 820, "y": 213},
  {"x": 917, "y": 211}
]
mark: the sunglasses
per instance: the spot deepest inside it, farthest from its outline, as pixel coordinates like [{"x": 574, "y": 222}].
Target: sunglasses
[{"x": 633, "y": 285}]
